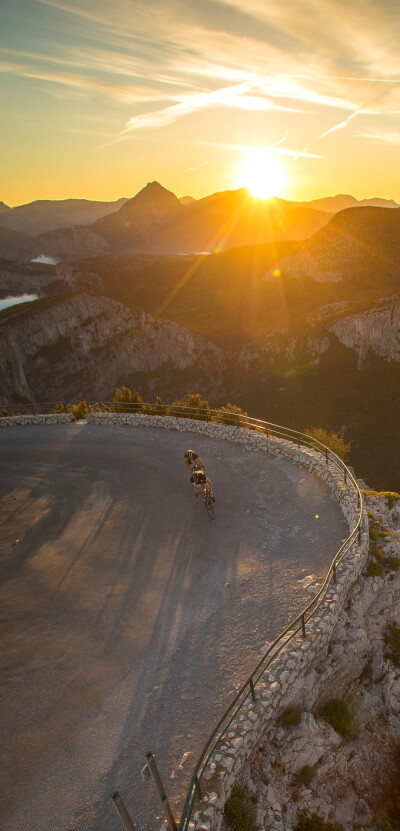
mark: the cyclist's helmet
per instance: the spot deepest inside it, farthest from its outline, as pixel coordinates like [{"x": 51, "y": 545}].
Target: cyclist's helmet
[{"x": 190, "y": 454}]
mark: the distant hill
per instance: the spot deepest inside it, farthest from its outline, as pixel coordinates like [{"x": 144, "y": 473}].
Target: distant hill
[
  {"x": 4, "y": 208},
  {"x": 333, "y": 204},
  {"x": 360, "y": 246},
  {"x": 50, "y": 215},
  {"x": 187, "y": 200}
]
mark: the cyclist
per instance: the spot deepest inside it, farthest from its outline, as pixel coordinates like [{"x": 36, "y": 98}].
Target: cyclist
[
  {"x": 192, "y": 460},
  {"x": 201, "y": 484}
]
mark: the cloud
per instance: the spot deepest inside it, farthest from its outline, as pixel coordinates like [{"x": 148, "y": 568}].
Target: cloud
[
  {"x": 273, "y": 149},
  {"x": 391, "y": 137},
  {"x": 197, "y": 167}
]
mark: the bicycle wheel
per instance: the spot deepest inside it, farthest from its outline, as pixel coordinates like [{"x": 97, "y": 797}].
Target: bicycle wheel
[{"x": 209, "y": 506}]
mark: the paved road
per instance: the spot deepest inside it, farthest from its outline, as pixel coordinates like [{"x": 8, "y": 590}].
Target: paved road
[{"x": 129, "y": 617}]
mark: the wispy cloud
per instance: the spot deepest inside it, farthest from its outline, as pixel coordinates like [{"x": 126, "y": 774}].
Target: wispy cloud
[{"x": 196, "y": 167}]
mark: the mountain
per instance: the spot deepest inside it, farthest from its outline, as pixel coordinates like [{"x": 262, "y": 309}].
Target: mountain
[
  {"x": 333, "y": 204},
  {"x": 360, "y": 246},
  {"x": 4, "y": 208},
  {"x": 49, "y": 215},
  {"x": 156, "y": 221}
]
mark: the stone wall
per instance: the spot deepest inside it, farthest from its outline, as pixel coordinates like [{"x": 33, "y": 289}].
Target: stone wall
[
  {"x": 289, "y": 677},
  {"x": 48, "y": 418}
]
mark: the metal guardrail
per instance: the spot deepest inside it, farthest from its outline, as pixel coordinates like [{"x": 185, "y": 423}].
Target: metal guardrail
[{"x": 249, "y": 689}]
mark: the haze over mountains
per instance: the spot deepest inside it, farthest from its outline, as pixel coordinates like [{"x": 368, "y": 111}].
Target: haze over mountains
[
  {"x": 298, "y": 332},
  {"x": 156, "y": 221}
]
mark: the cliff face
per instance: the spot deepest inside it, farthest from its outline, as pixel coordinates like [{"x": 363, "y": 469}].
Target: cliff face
[
  {"x": 87, "y": 346},
  {"x": 377, "y": 330}
]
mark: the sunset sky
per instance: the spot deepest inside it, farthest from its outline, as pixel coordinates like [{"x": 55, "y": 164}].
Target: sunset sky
[{"x": 100, "y": 96}]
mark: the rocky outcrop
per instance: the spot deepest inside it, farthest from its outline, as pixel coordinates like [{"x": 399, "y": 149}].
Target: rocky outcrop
[
  {"x": 18, "y": 279},
  {"x": 377, "y": 330},
  {"x": 350, "y": 776},
  {"x": 86, "y": 346}
]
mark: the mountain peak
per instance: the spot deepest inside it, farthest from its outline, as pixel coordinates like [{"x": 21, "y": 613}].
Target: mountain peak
[{"x": 153, "y": 202}]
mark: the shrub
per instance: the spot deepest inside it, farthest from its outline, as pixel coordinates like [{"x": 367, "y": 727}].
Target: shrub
[
  {"x": 306, "y": 776},
  {"x": 393, "y": 563},
  {"x": 195, "y": 401},
  {"x": 313, "y": 822},
  {"x": 376, "y": 552},
  {"x": 373, "y": 533},
  {"x": 125, "y": 396},
  {"x": 374, "y": 569},
  {"x": 331, "y": 440},
  {"x": 4, "y": 413},
  {"x": 230, "y": 413},
  {"x": 239, "y": 810},
  {"x": 391, "y": 637},
  {"x": 289, "y": 718},
  {"x": 79, "y": 411},
  {"x": 338, "y": 714},
  {"x": 392, "y": 497}
]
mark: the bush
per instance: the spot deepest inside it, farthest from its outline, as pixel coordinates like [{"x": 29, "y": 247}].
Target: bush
[
  {"x": 313, "y": 822},
  {"x": 393, "y": 563},
  {"x": 376, "y": 552},
  {"x": 373, "y": 532},
  {"x": 79, "y": 411},
  {"x": 195, "y": 401},
  {"x": 331, "y": 440},
  {"x": 306, "y": 776},
  {"x": 290, "y": 718},
  {"x": 239, "y": 810},
  {"x": 391, "y": 496},
  {"x": 391, "y": 637},
  {"x": 4, "y": 413},
  {"x": 338, "y": 714},
  {"x": 230, "y": 414},
  {"x": 374, "y": 569},
  {"x": 124, "y": 396}
]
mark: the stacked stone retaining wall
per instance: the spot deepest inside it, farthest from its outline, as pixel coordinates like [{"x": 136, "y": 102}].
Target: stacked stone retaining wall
[{"x": 48, "y": 418}]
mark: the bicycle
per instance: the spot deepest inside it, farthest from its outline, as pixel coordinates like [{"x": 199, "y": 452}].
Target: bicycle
[{"x": 209, "y": 504}]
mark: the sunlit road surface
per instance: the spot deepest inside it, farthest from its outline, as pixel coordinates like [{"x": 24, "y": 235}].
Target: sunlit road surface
[{"x": 128, "y": 617}]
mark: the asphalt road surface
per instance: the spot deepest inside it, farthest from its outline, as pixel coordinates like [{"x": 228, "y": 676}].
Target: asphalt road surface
[{"x": 128, "y": 617}]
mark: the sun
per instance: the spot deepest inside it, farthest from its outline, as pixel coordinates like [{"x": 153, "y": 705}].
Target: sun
[{"x": 261, "y": 173}]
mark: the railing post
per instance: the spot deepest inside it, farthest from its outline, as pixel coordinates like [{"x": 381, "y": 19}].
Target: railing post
[
  {"x": 303, "y": 626},
  {"x": 345, "y": 475},
  {"x": 153, "y": 769},
  {"x": 199, "y": 789},
  {"x": 122, "y": 812},
  {"x": 253, "y": 695}
]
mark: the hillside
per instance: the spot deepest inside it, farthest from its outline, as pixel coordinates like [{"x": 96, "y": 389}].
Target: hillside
[
  {"x": 51, "y": 214},
  {"x": 360, "y": 246},
  {"x": 334, "y": 204},
  {"x": 9, "y": 237}
]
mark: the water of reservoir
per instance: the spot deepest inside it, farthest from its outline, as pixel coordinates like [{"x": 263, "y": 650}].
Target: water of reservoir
[{"x": 5, "y": 302}]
